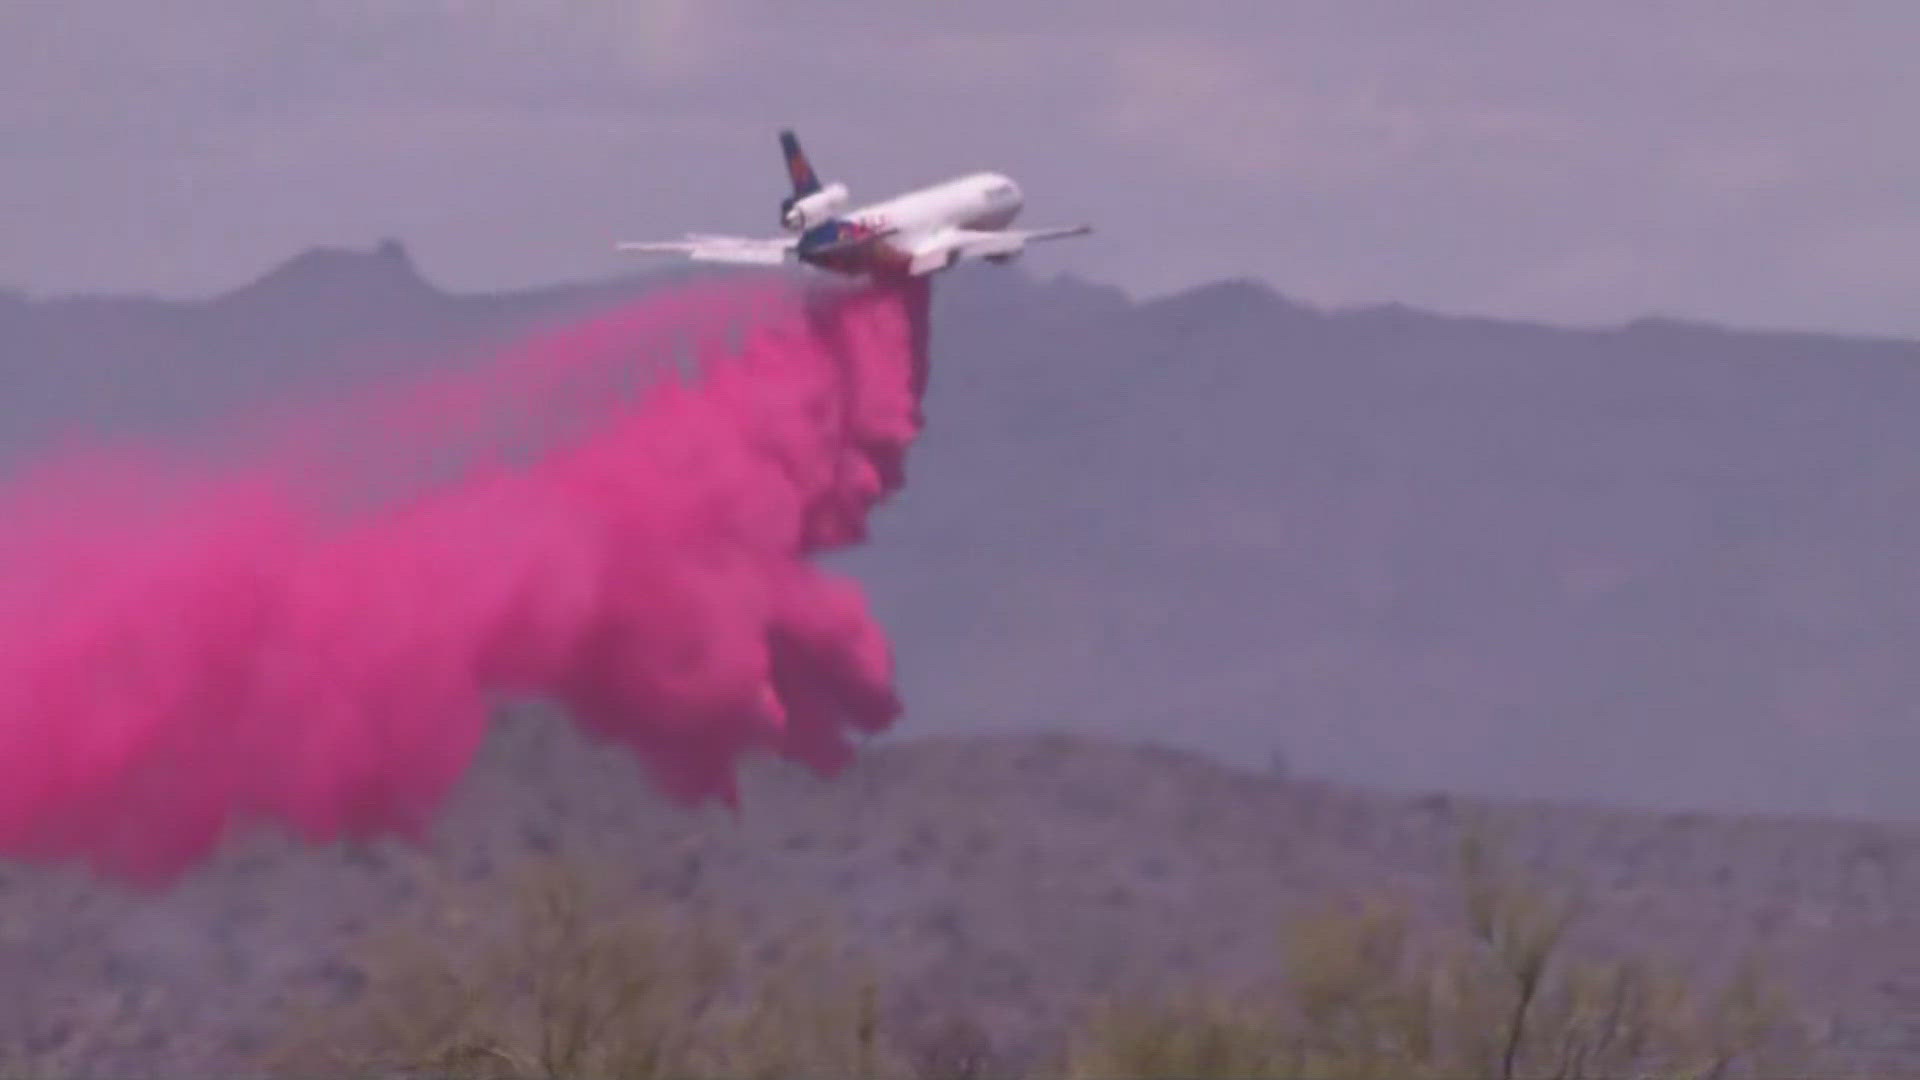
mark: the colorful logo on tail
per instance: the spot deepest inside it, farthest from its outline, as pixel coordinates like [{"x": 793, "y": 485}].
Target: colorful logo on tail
[{"x": 798, "y": 170}]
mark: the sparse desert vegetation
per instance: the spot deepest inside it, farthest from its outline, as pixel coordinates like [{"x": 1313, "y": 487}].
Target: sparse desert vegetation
[
  {"x": 562, "y": 977},
  {"x": 558, "y": 976},
  {"x": 1498, "y": 996},
  {"x": 964, "y": 909}
]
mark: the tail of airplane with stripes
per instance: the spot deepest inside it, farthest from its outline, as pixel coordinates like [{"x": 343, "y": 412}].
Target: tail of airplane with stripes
[{"x": 799, "y": 169}]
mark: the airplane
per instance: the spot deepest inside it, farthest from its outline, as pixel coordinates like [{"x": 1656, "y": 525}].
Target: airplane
[{"x": 911, "y": 235}]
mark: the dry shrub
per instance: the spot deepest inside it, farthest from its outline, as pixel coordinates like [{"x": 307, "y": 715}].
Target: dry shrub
[
  {"x": 1196, "y": 1035},
  {"x": 1360, "y": 1001},
  {"x": 559, "y": 983},
  {"x": 1500, "y": 998},
  {"x": 816, "y": 1012},
  {"x": 953, "y": 1047},
  {"x": 569, "y": 980}
]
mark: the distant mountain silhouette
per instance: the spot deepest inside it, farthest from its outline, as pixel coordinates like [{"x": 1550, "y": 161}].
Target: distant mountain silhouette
[
  {"x": 1665, "y": 563},
  {"x": 322, "y": 320},
  {"x": 347, "y": 281}
]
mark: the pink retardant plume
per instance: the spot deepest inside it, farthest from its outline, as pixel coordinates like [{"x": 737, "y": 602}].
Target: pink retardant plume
[{"x": 315, "y": 638}]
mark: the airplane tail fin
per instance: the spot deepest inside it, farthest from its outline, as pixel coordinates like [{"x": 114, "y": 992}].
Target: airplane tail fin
[{"x": 799, "y": 169}]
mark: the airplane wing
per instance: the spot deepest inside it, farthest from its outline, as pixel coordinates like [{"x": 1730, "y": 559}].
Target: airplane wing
[
  {"x": 1028, "y": 235},
  {"x": 949, "y": 246},
  {"x": 726, "y": 249}
]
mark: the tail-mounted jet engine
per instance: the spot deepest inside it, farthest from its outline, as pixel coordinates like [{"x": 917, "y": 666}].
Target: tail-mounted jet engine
[{"x": 800, "y": 215}]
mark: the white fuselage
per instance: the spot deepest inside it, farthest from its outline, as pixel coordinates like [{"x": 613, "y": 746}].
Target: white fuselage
[{"x": 980, "y": 201}]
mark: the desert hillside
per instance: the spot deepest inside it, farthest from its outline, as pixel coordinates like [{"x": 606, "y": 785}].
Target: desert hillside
[{"x": 1007, "y": 880}]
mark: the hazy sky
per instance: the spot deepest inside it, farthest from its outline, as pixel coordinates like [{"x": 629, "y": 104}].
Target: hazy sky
[{"x": 1754, "y": 162}]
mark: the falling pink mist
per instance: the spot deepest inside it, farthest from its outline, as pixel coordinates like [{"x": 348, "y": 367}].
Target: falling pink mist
[{"x": 311, "y": 630}]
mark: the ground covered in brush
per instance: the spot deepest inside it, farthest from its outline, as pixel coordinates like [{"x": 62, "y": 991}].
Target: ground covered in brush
[{"x": 1027, "y": 903}]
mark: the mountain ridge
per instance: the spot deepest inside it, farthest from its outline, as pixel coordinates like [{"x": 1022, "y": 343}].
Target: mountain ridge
[{"x": 390, "y": 263}]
